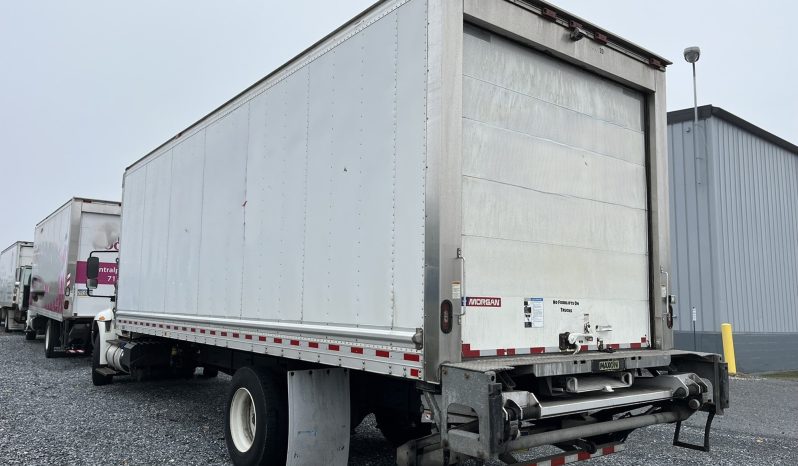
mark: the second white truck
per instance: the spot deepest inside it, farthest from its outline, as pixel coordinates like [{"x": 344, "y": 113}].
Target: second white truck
[
  {"x": 15, "y": 270},
  {"x": 451, "y": 214},
  {"x": 60, "y": 305}
]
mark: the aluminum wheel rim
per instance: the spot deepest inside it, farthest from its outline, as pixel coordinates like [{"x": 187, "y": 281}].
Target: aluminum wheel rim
[
  {"x": 47, "y": 337},
  {"x": 242, "y": 420}
]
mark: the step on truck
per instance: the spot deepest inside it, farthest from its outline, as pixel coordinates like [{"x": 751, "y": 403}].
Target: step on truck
[
  {"x": 15, "y": 271},
  {"x": 451, "y": 214},
  {"x": 61, "y": 306}
]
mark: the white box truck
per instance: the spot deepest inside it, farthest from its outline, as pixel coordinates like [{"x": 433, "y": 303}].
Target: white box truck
[
  {"x": 61, "y": 305},
  {"x": 452, "y": 214},
  {"x": 15, "y": 265}
]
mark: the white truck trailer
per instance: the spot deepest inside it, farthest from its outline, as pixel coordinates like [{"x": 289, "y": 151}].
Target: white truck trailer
[
  {"x": 452, "y": 214},
  {"x": 15, "y": 265},
  {"x": 61, "y": 305}
]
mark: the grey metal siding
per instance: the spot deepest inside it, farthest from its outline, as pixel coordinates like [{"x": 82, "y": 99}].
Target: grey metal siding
[
  {"x": 691, "y": 242},
  {"x": 734, "y": 235},
  {"x": 757, "y": 201}
]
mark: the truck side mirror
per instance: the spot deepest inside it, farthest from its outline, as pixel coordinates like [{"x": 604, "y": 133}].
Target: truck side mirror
[{"x": 92, "y": 272}]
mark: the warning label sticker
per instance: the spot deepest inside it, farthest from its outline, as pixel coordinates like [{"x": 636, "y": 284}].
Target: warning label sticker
[
  {"x": 533, "y": 313},
  {"x": 480, "y": 301},
  {"x": 567, "y": 305}
]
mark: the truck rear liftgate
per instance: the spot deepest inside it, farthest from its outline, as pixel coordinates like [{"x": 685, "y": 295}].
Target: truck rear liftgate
[{"x": 487, "y": 407}]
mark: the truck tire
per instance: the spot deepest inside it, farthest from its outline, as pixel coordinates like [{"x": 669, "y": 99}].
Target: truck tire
[
  {"x": 96, "y": 378},
  {"x": 256, "y": 417},
  {"x": 6, "y": 322},
  {"x": 399, "y": 427},
  {"x": 52, "y": 338}
]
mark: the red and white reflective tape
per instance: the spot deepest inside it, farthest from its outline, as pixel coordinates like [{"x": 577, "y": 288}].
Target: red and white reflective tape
[
  {"x": 568, "y": 458},
  {"x": 484, "y": 353},
  {"x": 372, "y": 358}
]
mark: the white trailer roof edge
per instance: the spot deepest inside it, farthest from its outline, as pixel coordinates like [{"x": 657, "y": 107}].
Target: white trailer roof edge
[
  {"x": 81, "y": 199},
  {"x": 17, "y": 244}
]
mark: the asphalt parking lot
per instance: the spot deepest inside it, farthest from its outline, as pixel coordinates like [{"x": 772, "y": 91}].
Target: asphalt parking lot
[{"x": 50, "y": 413}]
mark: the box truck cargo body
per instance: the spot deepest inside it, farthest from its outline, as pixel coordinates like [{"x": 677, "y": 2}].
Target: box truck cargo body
[
  {"x": 463, "y": 204},
  {"x": 61, "y": 305},
  {"x": 15, "y": 264}
]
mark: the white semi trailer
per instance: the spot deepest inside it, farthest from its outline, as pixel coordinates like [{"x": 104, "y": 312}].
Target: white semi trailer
[
  {"x": 61, "y": 305},
  {"x": 452, "y": 214},
  {"x": 15, "y": 265}
]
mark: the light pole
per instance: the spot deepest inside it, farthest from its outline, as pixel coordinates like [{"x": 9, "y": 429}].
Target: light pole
[{"x": 691, "y": 55}]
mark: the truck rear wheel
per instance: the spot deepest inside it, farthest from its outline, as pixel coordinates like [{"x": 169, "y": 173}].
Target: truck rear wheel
[
  {"x": 256, "y": 417},
  {"x": 52, "y": 338}
]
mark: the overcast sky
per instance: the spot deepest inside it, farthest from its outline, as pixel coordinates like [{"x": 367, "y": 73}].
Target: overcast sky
[{"x": 89, "y": 86}]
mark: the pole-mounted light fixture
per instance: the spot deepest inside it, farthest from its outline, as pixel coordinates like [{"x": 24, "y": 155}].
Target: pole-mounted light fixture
[{"x": 691, "y": 54}]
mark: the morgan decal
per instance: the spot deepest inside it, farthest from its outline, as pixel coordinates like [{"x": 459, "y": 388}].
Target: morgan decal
[{"x": 477, "y": 301}]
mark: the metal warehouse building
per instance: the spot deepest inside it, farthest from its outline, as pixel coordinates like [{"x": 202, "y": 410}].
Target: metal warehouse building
[{"x": 734, "y": 237}]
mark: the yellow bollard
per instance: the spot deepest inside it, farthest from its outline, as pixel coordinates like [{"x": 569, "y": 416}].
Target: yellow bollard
[{"x": 728, "y": 347}]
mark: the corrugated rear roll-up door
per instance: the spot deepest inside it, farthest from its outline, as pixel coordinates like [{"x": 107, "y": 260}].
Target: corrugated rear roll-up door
[{"x": 555, "y": 220}]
